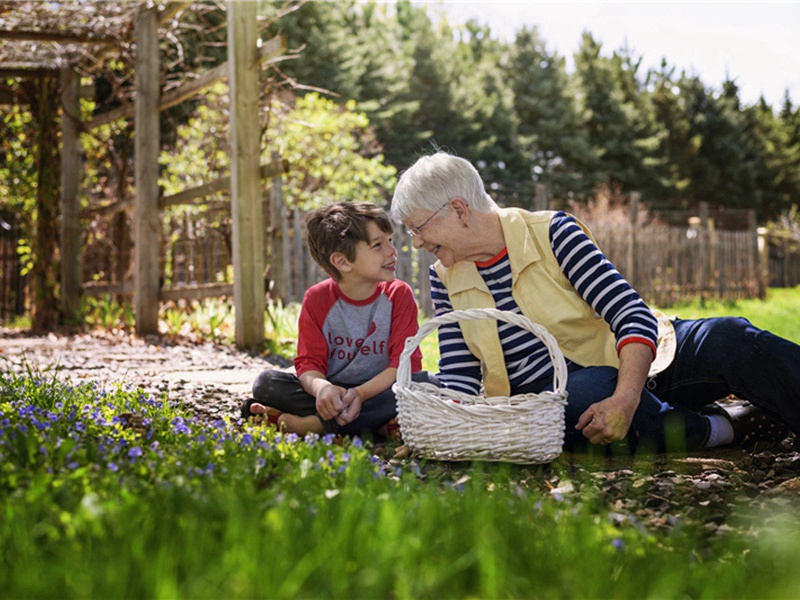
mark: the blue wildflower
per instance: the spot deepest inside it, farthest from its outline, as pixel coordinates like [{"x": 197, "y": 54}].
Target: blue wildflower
[{"x": 135, "y": 452}]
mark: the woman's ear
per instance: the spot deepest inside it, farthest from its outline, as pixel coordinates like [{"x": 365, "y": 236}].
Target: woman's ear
[
  {"x": 461, "y": 209},
  {"x": 340, "y": 261}
]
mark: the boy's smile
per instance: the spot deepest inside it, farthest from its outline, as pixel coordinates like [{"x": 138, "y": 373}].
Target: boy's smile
[{"x": 375, "y": 261}]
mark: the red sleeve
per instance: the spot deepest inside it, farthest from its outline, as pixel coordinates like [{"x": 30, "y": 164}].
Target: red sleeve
[
  {"x": 312, "y": 349},
  {"x": 404, "y": 323}
]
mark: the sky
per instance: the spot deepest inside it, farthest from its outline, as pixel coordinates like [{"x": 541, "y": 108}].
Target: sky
[{"x": 757, "y": 44}]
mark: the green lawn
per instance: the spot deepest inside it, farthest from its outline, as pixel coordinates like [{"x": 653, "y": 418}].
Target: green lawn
[{"x": 106, "y": 492}]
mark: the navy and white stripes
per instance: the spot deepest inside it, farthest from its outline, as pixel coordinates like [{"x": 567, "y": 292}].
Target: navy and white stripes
[{"x": 527, "y": 360}]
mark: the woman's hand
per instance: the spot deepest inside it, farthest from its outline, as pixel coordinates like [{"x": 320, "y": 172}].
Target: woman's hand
[{"x": 608, "y": 420}]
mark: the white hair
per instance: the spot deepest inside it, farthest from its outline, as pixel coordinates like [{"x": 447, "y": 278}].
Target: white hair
[{"x": 432, "y": 181}]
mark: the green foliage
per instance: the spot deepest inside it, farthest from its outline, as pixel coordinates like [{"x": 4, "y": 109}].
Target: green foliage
[
  {"x": 107, "y": 312},
  {"x": 281, "y": 328},
  {"x": 105, "y": 488},
  {"x": 329, "y": 149}
]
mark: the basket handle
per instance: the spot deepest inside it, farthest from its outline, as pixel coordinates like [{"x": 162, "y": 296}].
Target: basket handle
[{"x": 557, "y": 358}]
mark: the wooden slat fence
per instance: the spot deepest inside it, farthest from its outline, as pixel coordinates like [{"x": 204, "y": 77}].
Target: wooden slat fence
[
  {"x": 668, "y": 263},
  {"x": 12, "y": 283},
  {"x": 672, "y": 264}
]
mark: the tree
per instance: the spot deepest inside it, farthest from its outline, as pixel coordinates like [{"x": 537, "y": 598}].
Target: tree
[
  {"x": 556, "y": 149},
  {"x": 616, "y": 117}
]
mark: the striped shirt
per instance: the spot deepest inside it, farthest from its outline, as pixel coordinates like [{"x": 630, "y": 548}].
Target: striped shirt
[{"x": 595, "y": 279}]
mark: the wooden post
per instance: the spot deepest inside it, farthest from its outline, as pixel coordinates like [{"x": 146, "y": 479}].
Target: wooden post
[
  {"x": 71, "y": 275},
  {"x": 630, "y": 273},
  {"x": 763, "y": 260},
  {"x": 540, "y": 200},
  {"x": 300, "y": 272},
  {"x": 247, "y": 213},
  {"x": 147, "y": 218},
  {"x": 276, "y": 271}
]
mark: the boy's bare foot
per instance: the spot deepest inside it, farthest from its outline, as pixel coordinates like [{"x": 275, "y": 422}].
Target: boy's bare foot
[
  {"x": 260, "y": 409},
  {"x": 300, "y": 425}
]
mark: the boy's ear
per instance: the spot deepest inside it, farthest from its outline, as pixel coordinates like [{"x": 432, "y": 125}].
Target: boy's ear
[{"x": 340, "y": 261}]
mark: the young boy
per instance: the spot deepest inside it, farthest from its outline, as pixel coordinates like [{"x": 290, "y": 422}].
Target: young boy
[{"x": 352, "y": 329}]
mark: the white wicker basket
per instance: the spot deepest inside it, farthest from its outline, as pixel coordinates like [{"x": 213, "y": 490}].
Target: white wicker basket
[{"x": 445, "y": 424}]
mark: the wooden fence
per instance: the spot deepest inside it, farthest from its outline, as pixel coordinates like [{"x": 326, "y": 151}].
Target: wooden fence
[
  {"x": 665, "y": 263},
  {"x": 12, "y": 283}
]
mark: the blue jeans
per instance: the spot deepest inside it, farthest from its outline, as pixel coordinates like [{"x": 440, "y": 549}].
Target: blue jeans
[
  {"x": 282, "y": 390},
  {"x": 714, "y": 358}
]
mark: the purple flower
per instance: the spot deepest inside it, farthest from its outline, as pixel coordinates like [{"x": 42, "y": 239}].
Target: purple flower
[
  {"x": 113, "y": 467},
  {"x": 135, "y": 452},
  {"x": 247, "y": 439},
  {"x": 179, "y": 426},
  {"x": 618, "y": 544}
]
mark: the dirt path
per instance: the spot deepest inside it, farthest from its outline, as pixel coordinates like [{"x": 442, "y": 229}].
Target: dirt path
[{"x": 211, "y": 379}]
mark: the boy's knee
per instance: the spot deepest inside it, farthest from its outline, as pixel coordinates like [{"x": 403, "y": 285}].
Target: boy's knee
[{"x": 264, "y": 385}]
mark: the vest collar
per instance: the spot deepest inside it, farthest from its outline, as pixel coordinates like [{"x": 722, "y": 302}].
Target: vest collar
[
  {"x": 464, "y": 274},
  {"x": 515, "y": 231}
]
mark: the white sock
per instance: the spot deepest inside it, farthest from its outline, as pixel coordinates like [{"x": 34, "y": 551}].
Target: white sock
[{"x": 721, "y": 431}]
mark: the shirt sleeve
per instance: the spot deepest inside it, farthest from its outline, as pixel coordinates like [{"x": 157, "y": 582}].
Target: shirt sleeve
[
  {"x": 459, "y": 369},
  {"x": 600, "y": 284},
  {"x": 405, "y": 323},
  {"x": 312, "y": 349}
]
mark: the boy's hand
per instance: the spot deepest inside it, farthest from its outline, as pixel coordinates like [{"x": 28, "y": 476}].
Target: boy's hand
[
  {"x": 329, "y": 401},
  {"x": 352, "y": 407}
]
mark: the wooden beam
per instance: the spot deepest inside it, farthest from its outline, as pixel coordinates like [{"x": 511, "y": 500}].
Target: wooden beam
[
  {"x": 27, "y": 70},
  {"x": 189, "y": 89},
  {"x": 223, "y": 184},
  {"x": 170, "y": 10},
  {"x": 71, "y": 272},
  {"x": 197, "y": 292},
  {"x": 107, "y": 210},
  {"x": 94, "y": 288},
  {"x": 246, "y": 209},
  {"x": 121, "y": 112},
  {"x": 146, "y": 216},
  {"x": 269, "y": 49},
  {"x": 30, "y": 35}
]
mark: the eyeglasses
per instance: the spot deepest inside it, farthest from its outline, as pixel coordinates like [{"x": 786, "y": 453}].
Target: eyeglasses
[{"x": 417, "y": 231}]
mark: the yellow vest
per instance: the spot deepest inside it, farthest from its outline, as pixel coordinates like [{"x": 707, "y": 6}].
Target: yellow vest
[{"x": 543, "y": 294}]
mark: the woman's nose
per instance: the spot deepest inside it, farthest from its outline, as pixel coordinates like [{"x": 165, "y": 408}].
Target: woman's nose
[{"x": 417, "y": 241}]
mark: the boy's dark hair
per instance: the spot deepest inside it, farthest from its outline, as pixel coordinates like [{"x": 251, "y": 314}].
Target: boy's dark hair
[{"x": 339, "y": 227}]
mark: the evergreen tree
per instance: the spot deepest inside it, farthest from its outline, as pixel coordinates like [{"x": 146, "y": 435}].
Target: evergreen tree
[
  {"x": 677, "y": 144},
  {"x": 556, "y": 149},
  {"x": 617, "y": 119}
]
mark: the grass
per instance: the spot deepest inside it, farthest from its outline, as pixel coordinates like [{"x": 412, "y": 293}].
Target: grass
[
  {"x": 778, "y": 313},
  {"x": 107, "y": 492}
]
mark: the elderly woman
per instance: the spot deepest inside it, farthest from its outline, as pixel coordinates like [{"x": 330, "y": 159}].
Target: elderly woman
[{"x": 632, "y": 376}]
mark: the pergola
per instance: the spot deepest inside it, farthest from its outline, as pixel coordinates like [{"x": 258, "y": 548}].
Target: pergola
[{"x": 56, "y": 39}]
